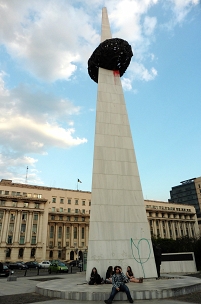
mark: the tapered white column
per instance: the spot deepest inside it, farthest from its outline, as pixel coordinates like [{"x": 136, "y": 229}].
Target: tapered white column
[{"x": 119, "y": 233}]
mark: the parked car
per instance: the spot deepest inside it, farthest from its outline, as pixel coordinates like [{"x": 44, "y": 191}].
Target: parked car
[
  {"x": 17, "y": 265},
  {"x": 6, "y": 271},
  {"x": 32, "y": 264},
  {"x": 75, "y": 263},
  {"x": 58, "y": 267},
  {"x": 45, "y": 264}
]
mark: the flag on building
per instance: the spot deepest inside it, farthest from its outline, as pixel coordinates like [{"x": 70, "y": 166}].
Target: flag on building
[{"x": 79, "y": 181}]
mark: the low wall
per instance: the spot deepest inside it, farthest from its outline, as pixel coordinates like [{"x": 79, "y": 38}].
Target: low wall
[{"x": 178, "y": 262}]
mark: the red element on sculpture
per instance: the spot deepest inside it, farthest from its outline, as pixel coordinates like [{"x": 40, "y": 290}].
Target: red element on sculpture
[{"x": 116, "y": 73}]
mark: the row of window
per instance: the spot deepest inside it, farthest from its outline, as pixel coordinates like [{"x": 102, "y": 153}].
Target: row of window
[
  {"x": 24, "y": 194},
  {"x": 66, "y": 218},
  {"x": 69, "y": 201},
  {"x": 69, "y": 210},
  {"x": 22, "y": 228},
  {"x": 167, "y": 208},
  {"x": 24, "y": 216},
  {"x": 21, "y": 240},
  {"x": 68, "y": 232},
  {"x": 171, "y": 215},
  {"x": 15, "y": 204},
  {"x": 59, "y": 244},
  {"x": 20, "y": 252}
]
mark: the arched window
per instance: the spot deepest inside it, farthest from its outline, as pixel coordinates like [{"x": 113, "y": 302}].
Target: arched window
[
  {"x": 80, "y": 254},
  {"x": 72, "y": 255},
  {"x": 33, "y": 252},
  {"x": 51, "y": 232},
  {"x": 21, "y": 252},
  {"x": 8, "y": 252}
]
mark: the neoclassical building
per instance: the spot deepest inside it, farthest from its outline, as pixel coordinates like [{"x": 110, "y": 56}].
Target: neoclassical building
[
  {"x": 168, "y": 220},
  {"x": 38, "y": 223}
]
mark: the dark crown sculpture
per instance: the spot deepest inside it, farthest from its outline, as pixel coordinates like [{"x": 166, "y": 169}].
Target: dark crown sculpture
[{"x": 111, "y": 54}]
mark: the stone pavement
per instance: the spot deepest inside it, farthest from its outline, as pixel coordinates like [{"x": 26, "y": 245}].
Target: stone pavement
[{"x": 76, "y": 283}]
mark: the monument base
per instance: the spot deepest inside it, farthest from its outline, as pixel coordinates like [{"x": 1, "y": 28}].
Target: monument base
[{"x": 75, "y": 287}]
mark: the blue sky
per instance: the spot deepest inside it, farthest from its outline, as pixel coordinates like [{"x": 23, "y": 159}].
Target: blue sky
[{"x": 48, "y": 101}]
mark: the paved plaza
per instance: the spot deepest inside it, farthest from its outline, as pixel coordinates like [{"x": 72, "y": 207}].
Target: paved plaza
[{"x": 75, "y": 284}]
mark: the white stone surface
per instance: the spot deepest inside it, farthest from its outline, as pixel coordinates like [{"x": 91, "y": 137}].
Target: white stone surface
[
  {"x": 179, "y": 266},
  {"x": 119, "y": 231}
]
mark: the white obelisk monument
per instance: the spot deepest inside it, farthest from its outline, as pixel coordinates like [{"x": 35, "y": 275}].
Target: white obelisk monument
[{"x": 119, "y": 232}]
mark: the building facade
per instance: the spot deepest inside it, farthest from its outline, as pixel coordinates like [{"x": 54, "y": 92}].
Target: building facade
[
  {"x": 39, "y": 223},
  {"x": 171, "y": 220},
  {"x": 188, "y": 193}
]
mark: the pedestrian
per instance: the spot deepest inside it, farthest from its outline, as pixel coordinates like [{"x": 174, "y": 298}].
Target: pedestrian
[
  {"x": 1, "y": 267},
  {"x": 118, "y": 281},
  {"x": 157, "y": 255}
]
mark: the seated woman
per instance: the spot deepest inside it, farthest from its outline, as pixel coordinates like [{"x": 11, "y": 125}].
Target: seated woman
[
  {"x": 109, "y": 274},
  {"x": 95, "y": 278},
  {"x": 131, "y": 277}
]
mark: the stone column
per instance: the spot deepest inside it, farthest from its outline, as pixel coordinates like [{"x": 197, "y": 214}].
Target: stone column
[
  {"x": 56, "y": 236},
  {"x": 79, "y": 235},
  {"x": 161, "y": 229},
  {"x": 72, "y": 236},
  {"x": 5, "y": 226},
  {"x": 189, "y": 230},
  {"x": 184, "y": 228},
  {"x": 173, "y": 230},
  {"x": 178, "y": 229},
  {"x": 86, "y": 235},
  {"x": 17, "y": 227},
  {"x": 28, "y": 222},
  {"x": 64, "y": 236},
  {"x": 167, "y": 230},
  {"x": 154, "y": 227}
]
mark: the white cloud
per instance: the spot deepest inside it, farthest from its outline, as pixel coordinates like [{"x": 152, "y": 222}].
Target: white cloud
[
  {"x": 180, "y": 9},
  {"x": 126, "y": 84},
  {"x": 51, "y": 38},
  {"x": 13, "y": 167},
  {"x": 149, "y": 25},
  {"x": 29, "y": 125},
  {"x": 47, "y": 37},
  {"x": 141, "y": 73}
]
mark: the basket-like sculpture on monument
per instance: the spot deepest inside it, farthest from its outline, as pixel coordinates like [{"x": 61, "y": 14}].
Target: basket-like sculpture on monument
[{"x": 112, "y": 54}]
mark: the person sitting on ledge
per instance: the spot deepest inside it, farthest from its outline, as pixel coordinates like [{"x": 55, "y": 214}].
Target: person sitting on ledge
[
  {"x": 95, "y": 278},
  {"x": 131, "y": 277},
  {"x": 109, "y": 274},
  {"x": 118, "y": 281}
]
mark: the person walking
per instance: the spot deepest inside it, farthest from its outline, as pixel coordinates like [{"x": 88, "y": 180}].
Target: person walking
[
  {"x": 118, "y": 281},
  {"x": 157, "y": 255}
]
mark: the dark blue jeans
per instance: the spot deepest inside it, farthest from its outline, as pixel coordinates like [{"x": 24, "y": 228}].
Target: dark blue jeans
[{"x": 123, "y": 288}]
